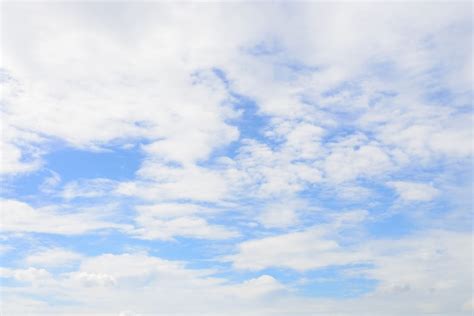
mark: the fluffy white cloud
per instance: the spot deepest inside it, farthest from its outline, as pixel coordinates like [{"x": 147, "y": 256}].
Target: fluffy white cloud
[{"x": 110, "y": 284}]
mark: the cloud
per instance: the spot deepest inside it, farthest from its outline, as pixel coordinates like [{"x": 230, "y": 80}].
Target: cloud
[
  {"x": 322, "y": 103},
  {"x": 278, "y": 216},
  {"x": 94, "y": 279},
  {"x": 164, "y": 183},
  {"x": 309, "y": 249},
  {"x": 424, "y": 271},
  {"x": 25, "y": 275},
  {"x": 170, "y": 210},
  {"x": 52, "y": 257},
  {"x": 413, "y": 191},
  {"x": 87, "y": 188},
  {"x": 149, "y": 227},
  {"x": 19, "y": 217},
  {"x": 427, "y": 272},
  {"x": 130, "y": 280},
  {"x": 255, "y": 288}
]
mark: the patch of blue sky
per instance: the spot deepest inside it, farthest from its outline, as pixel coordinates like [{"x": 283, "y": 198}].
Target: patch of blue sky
[
  {"x": 15, "y": 249},
  {"x": 382, "y": 219},
  {"x": 93, "y": 243},
  {"x": 24, "y": 186},
  {"x": 71, "y": 164},
  {"x": 394, "y": 225},
  {"x": 115, "y": 163}
]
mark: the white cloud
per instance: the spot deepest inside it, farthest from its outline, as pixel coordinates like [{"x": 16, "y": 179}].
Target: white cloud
[
  {"x": 313, "y": 248},
  {"x": 109, "y": 284},
  {"x": 94, "y": 279},
  {"x": 52, "y": 257},
  {"x": 25, "y": 275},
  {"x": 149, "y": 227},
  {"x": 168, "y": 183},
  {"x": 428, "y": 272},
  {"x": 87, "y": 188},
  {"x": 170, "y": 210},
  {"x": 423, "y": 273},
  {"x": 145, "y": 75},
  {"x": 280, "y": 214},
  {"x": 255, "y": 288},
  {"x": 18, "y": 153},
  {"x": 22, "y": 218},
  {"x": 413, "y": 191},
  {"x": 355, "y": 156}
]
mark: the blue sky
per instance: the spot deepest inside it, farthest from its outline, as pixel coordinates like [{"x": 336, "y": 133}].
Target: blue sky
[{"x": 236, "y": 158}]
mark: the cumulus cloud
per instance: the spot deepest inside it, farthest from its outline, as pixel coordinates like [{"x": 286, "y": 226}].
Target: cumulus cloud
[{"x": 129, "y": 281}]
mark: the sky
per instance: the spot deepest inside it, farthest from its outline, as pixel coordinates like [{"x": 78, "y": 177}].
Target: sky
[{"x": 236, "y": 158}]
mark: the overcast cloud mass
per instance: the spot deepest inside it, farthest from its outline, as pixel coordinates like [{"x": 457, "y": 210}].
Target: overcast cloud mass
[{"x": 236, "y": 158}]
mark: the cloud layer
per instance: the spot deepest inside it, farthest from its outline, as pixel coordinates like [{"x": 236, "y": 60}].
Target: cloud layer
[{"x": 236, "y": 158}]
